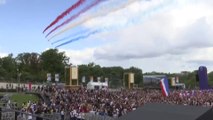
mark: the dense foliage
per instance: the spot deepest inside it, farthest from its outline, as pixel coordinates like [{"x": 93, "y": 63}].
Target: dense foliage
[{"x": 33, "y": 67}]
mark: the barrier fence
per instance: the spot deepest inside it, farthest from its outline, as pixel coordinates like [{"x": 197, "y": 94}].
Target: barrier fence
[{"x": 9, "y": 114}]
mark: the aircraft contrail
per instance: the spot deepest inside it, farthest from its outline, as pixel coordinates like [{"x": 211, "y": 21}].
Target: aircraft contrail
[{"x": 103, "y": 11}]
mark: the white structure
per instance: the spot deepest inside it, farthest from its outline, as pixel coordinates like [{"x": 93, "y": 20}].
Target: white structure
[
  {"x": 5, "y": 85},
  {"x": 97, "y": 85},
  {"x": 175, "y": 83},
  {"x": 180, "y": 85}
]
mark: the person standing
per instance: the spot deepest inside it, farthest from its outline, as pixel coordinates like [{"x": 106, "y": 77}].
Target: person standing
[
  {"x": 29, "y": 116},
  {"x": 62, "y": 114}
]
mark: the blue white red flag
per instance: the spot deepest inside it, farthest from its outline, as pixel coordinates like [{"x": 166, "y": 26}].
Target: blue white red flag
[{"x": 164, "y": 86}]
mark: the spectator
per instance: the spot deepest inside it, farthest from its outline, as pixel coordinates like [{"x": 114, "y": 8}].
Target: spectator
[{"x": 112, "y": 103}]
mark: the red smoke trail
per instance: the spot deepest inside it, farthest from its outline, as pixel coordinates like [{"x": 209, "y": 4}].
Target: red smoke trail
[
  {"x": 75, "y": 16},
  {"x": 65, "y": 13}
]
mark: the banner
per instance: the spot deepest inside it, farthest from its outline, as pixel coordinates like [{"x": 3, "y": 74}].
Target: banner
[
  {"x": 83, "y": 79},
  {"x": 56, "y": 77},
  {"x": 99, "y": 79},
  {"x": 74, "y": 72},
  {"x": 131, "y": 77},
  {"x": 48, "y": 76},
  {"x": 106, "y": 79}
]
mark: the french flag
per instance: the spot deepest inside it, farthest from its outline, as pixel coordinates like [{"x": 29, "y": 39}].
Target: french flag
[{"x": 164, "y": 86}]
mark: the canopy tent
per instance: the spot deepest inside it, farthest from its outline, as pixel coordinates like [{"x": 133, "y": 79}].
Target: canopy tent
[{"x": 97, "y": 85}]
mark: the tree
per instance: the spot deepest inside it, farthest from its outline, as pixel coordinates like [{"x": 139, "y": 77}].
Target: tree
[
  {"x": 3, "y": 72},
  {"x": 84, "y": 71},
  {"x": 90, "y": 70},
  {"x": 8, "y": 67},
  {"x": 53, "y": 61},
  {"x": 97, "y": 71},
  {"x": 29, "y": 66},
  {"x": 189, "y": 79},
  {"x": 210, "y": 78},
  {"x": 115, "y": 75}
]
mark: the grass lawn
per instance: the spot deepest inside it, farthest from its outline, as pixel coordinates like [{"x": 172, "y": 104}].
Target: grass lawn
[
  {"x": 1, "y": 94},
  {"x": 21, "y": 98}
]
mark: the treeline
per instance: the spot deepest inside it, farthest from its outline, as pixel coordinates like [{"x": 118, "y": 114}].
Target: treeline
[{"x": 33, "y": 67}]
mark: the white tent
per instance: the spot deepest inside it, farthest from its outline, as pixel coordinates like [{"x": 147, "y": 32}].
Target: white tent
[{"x": 97, "y": 85}]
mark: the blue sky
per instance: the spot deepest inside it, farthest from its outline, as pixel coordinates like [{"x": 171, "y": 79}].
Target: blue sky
[
  {"x": 171, "y": 37},
  {"x": 22, "y": 23}
]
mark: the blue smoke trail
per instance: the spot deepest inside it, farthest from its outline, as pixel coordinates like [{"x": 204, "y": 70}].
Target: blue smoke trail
[
  {"x": 78, "y": 38},
  {"x": 70, "y": 36}
]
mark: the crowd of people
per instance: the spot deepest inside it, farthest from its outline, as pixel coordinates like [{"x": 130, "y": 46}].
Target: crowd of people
[{"x": 78, "y": 102}]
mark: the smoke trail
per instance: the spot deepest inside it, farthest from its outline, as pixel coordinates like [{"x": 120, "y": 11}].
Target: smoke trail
[
  {"x": 77, "y": 4},
  {"x": 78, "y": 38},
  {"x": 105, "y": 29},
  {"x": 70, "y": 36},
  {"x": 75, "y": 16},
  {"x": 103, "y": 11}
]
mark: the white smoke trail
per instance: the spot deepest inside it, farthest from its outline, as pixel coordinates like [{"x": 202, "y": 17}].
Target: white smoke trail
[
  {"x": 103, "y": 11},
  {"x": 114, "y": 27},
  {"x": 132, "y": 19}
]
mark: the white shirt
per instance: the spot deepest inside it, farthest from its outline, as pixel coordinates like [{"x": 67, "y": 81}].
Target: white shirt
[
  {"x": 30, "y": 117},
  {"x": 62, "y": 112}
]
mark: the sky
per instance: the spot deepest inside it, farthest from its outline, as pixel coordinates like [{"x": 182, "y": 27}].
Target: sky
[{"x": 154, "y": 35}]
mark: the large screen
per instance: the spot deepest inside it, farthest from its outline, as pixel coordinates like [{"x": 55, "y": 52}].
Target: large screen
[{"x": 152, "y": 81}]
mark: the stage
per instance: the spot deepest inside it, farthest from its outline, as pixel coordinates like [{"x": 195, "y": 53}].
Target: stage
[{"x": 169, "y": 112}]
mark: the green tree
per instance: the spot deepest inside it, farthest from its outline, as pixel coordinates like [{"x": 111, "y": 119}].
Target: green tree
[
  {"x": 190, "y": 79},
  {"x": 83, "y": 71},
  {"x": 29, "y": 66},
  {"x": 53, "y": 61},
  {"x": 210, "y": 78},
  {"x": 90, "y": 70},
  {"x": 115, "y": 76},
  {"x": 3, "y": 72},
  {"x": 8, "y": 67}
]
